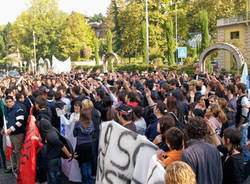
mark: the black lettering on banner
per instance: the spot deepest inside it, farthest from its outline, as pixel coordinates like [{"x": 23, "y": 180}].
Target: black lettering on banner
[
  {"x": 124, "y": 134},
  {"x": 109, "y": 172},
  {"x": 136, "y": 181},
  {"x": 27, "y": 156},
  {"x": 138, "y": 148},
  {"x": 107, "y": 137},
  {"x": 124, "y": 178},
  {"x": 25, "y": 142},
  {"x": 152, "y": 172},
  {"x": 28, "y": 147}
]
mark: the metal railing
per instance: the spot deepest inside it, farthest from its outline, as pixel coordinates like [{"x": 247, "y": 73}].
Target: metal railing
[{"x": 237, "y": 19}]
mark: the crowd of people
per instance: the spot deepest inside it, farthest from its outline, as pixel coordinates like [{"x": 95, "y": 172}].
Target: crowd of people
[{"x": 199, "y": 122}]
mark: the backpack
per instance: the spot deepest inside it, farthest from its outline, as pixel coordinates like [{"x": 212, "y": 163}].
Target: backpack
[{"x": 178, "y": 124}]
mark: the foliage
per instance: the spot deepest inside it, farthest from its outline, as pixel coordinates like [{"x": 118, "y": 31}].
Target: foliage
[
  {"x": 87, "y": 51},
  {"x": 96, "y": 18},
  {"x": 144, "y": 42},
  {"x": 170, "y": 42},
  {"x": 204, "y": 29},
  {"x": 87, "y": 67},
  {"x": 2, "y": 46},
  {"x": 96, "y": 51},
  {"x": 109, "y": 41}
]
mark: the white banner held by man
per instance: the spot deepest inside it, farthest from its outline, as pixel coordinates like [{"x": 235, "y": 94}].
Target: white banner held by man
[{"x": 124, "y": 156}]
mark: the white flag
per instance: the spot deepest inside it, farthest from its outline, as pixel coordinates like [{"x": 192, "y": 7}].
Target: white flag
[{"x": 245, "y": 79}]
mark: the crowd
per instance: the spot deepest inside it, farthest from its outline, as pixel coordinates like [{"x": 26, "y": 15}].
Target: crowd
[{"x": 199, "y": 122}]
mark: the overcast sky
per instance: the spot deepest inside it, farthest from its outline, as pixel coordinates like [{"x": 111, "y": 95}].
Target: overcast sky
[{"x": 10, "y": 9}]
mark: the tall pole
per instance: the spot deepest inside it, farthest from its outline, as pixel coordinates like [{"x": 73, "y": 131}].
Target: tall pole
[
  {"x": 34, "y": 45},
  {"x": 176, "y": 32},
  {"x": 147, "y": 31}
]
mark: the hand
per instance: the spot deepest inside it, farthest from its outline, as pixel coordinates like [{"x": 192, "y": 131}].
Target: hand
[
  {"x": 8, "y": 132},
  {"x": 157, "y": 139},
  {"x": 191, "y": 94},
  {"x": 148, "y": 92},
  {"x": 75, "y": 155},
  {"x": 160, "y": 154}
]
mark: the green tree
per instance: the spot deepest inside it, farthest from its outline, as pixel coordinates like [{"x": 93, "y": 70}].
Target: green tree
[
  {"x": 96, "y": 51},
  {"x": 170, "y": 42},
  {"x": 2, "y": 47},
  {"x": 96, "y": 18},
  {"x": 109, "y": 41},
  {"x": 144, "y": 42}
]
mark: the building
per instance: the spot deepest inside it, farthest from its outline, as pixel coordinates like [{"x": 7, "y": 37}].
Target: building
[
  {"x": 99, "y": 28},
  {"x": 235, "y": 31}
]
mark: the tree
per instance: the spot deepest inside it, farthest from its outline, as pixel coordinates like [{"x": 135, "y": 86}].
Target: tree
[
  {"x": 144, "y": 42},
  {"x": 96, "y": 51},
  {"x": 2, "y": 47},
  {"x": 170, "y": 42},
  {"x": 109, "y": 41},
  {"x": 96, "y": 18}
]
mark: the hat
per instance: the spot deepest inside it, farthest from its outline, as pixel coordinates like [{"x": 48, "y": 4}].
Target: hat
[{"x": 194, "y": 82}]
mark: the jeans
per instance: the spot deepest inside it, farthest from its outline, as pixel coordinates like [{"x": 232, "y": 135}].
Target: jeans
[
  {"x": 54, "y": 171},
  {"x": 244, "y": 133},
  {"x": 86, "y": 173}
]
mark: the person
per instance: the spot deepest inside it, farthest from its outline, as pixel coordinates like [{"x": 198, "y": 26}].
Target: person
[
  {"x": 125, "y": 117},
  {"x": 139, "y": 122},
  {"x": 83, "y": 132},
  {"x": 230, "y": 91},
  {"x": 174, "y": 140},
  {"x": 76, "y": 96},
  {"x": 15, "y": 128},
  {"x": 71, "y": 169},
  {"x": 202, "y": 157},
  {"x": 179, "y": 173}
]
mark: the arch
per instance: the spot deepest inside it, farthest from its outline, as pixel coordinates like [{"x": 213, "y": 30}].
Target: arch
[
  {"x": 222, "y": 46},
  {"x": 105, "y": 59}
]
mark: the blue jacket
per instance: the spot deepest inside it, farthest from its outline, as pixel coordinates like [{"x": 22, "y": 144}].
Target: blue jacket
[
  {"x": 83, "y": 135},
  {"x": 15, "y": 119}
]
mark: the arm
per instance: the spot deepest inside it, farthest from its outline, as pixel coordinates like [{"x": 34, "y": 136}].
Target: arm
[
  {"x": 65, "y": 150},
  {"x": 19, "y": 121},
  {"x": 148, "y": 96}
]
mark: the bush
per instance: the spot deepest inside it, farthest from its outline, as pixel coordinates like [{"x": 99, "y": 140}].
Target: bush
[{"x": 86, "y": 67}]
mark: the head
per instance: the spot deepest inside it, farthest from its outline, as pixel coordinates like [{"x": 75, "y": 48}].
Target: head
[
  {"x": 63, "y": 91},
  {"x": 86, "y": 103},
  {"x": 58, "y": 96},
  {"x": 138, "y": 112},
  {"x": 124, "y": 113},
  {"x": 77, "y": 106},
  {"x": 173, "y": 84},
  {"x": 131, "y": 97},
  {"x": 240, "y": 88},
  {"x": 160, "y": 109},
  {"x": 231, "y": 139},
  {"x": 172, "y": 104},
  {"x": 40, "y": 103},
  {"x": 75, "y": 91},
  {"x": 196, "y": 128},
  {"x": 193, "y": 85},
  {"x": 179, "y": 172},
  {"x": 165, "y": 122},
  {"x": 9, "y": 101},
  {"x": 230, "y": 90},
  {"x": 85, "y": 118},
  {"x": 215, "y": 111},
  {"x": 20, "y": 97},
  {"x": 195, "y": 113},
  {"x": 174, "y": 138},
  {"x": 213, "y": 100}
]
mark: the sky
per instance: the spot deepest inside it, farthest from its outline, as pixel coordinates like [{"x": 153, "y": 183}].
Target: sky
[{"x": 10, "y": 9}]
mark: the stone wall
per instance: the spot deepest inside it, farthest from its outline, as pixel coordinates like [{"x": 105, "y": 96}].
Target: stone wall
[{"x": 247, "y": 40}]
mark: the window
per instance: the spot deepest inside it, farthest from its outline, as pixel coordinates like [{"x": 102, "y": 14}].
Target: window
[{"x": 235, "y": 35}]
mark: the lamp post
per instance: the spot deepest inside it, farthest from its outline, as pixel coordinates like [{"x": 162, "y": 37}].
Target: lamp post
[
  {"x": 147, "y": 43},
  {"x": 176, "y": 28}
]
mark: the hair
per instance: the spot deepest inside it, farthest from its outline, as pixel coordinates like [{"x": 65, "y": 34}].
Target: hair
[
  {"x": 41, "y": 102},
  {"x": 85, "y": 117},
  {"x": 198, "y": 112},
  {"x": 63, "y": 88},
  {"x": 174, "y": 138},
  {"x": 76, "y": 90},
  {"x": 9, "y": 98},
  {"x": 213, "y": 96},
  {"x": 212, "y": 85},
  {"x": 162, "y": 107},
  {"x": 19, "y": 96},
  {"x": 241, "y": 86},
  {"x": 8, "y": 91},
  {"x": 132, "y": 96},
  {"x": 50, "y": 95},
  {"x": 100, "y": 92},
  {"x": 121, "y": 96},
  {"x": 196, "y": 128},
  {"x": 138, "y": 111},
  {"x": 149, "y": 84},
  {"x": 235, "y": 137},
  {"x": 125, "y": 111},
  {"x": 173, "y": 82},
  {"x": 165, "y": 122},
  {"x": 172, "y": 104},
  {"x": 231, "y": 88},
  {"x": 86, "y": 103},
  {"x": 79, "y": 103},
  {"x": 218, "y": 113},
  {"x": 179, "y": 172},
  {"x": 58, "y": 96},
  {"x": 224, "y": 105}
]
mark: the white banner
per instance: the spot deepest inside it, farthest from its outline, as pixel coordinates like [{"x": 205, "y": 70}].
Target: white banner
[
  {"x": 124, "y": 156},
  {"x": 61, "y": 66}
]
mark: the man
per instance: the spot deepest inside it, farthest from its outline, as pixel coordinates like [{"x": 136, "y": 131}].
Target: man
[
  {"x": 76, "y": 96},
  {"x": 204, "y": 159},
  {"x": 230, "y": 90},
  {"x": 15, "y": 128},
  {"x": 194, "y": 91}
]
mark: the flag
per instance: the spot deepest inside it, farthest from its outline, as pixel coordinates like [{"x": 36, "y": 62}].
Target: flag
[
  {"x": 245, "y": 79},
  {"x": 27, "y": 163},
  {"x": 9, "y": 145}
]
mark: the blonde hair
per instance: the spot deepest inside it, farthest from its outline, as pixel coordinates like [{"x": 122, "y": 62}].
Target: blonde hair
[
  {"x": 218, "y": 113},
  {"x": 180, "y": 173},
  {"x": 87, "y": 104}
]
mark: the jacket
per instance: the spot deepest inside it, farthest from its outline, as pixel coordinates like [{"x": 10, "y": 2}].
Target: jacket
[
  {"x": 82, "y": 135},
  {"x": 171, "y": 156},
  {"x": 15, "y": 119}
]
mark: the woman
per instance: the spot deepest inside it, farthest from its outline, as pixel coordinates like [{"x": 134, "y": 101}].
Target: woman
[
  {"x": 71, "y": 169},
  {"x": 216, "y": 117},
  {"x": 139, "y": 122},
  {"x": 228, "y": 112},
  {"x": 83, "y": 131}
]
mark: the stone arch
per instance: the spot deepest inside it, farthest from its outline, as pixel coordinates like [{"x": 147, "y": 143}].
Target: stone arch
[
  {"x": 105, "y": 60},
  {"x": 222, "y": 46}
]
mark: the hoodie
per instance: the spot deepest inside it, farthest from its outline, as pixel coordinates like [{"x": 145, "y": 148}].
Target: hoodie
[
  {"x": 82, "y": 135},
  {"x": 172, "y": 156}
]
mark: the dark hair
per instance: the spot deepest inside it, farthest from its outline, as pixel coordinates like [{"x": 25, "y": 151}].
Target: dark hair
[
  {"x": 19, "y": 96},
  {"x": 58, "y": 96},
  {"x": 149, "y": 84},
  {"x": 78, "y": 103},
  {"x": 100, "y": 92},
  {"x": 121, "y": 96},
  {"x": 9, "y": 98},
  {"x": 172, "y": 104},
  {"x": 85, "y": 118},
  {"x": 132, "y": 96},
  {"x": 41, "y": 102},
  {"x": 162, "y": 107},
  {"x": 235, "y": 137},
  {"x": 50, "y": 95},
  {"x": 8, "y": 91},
  {"x": 174, "y": 138},
  {"x": 241, "y": 86},
  {"x": 196, "y": 128},
  {"x": 173, "y": 82},
  {"x": 165, "y": 122},
  {"x": 212, "y": 85},
  {"x": 198, "y": 113},
  {"x": 231, "y": 88},
  {"x": 125, "y": 111},
  {"x": 138, "y": 111},
  {"x": 76, "y": 90}
]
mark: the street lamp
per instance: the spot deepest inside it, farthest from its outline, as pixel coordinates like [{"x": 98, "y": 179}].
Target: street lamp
[
  {"x": 176, "y": 26},
  {"x": 147, "y": 32}
]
